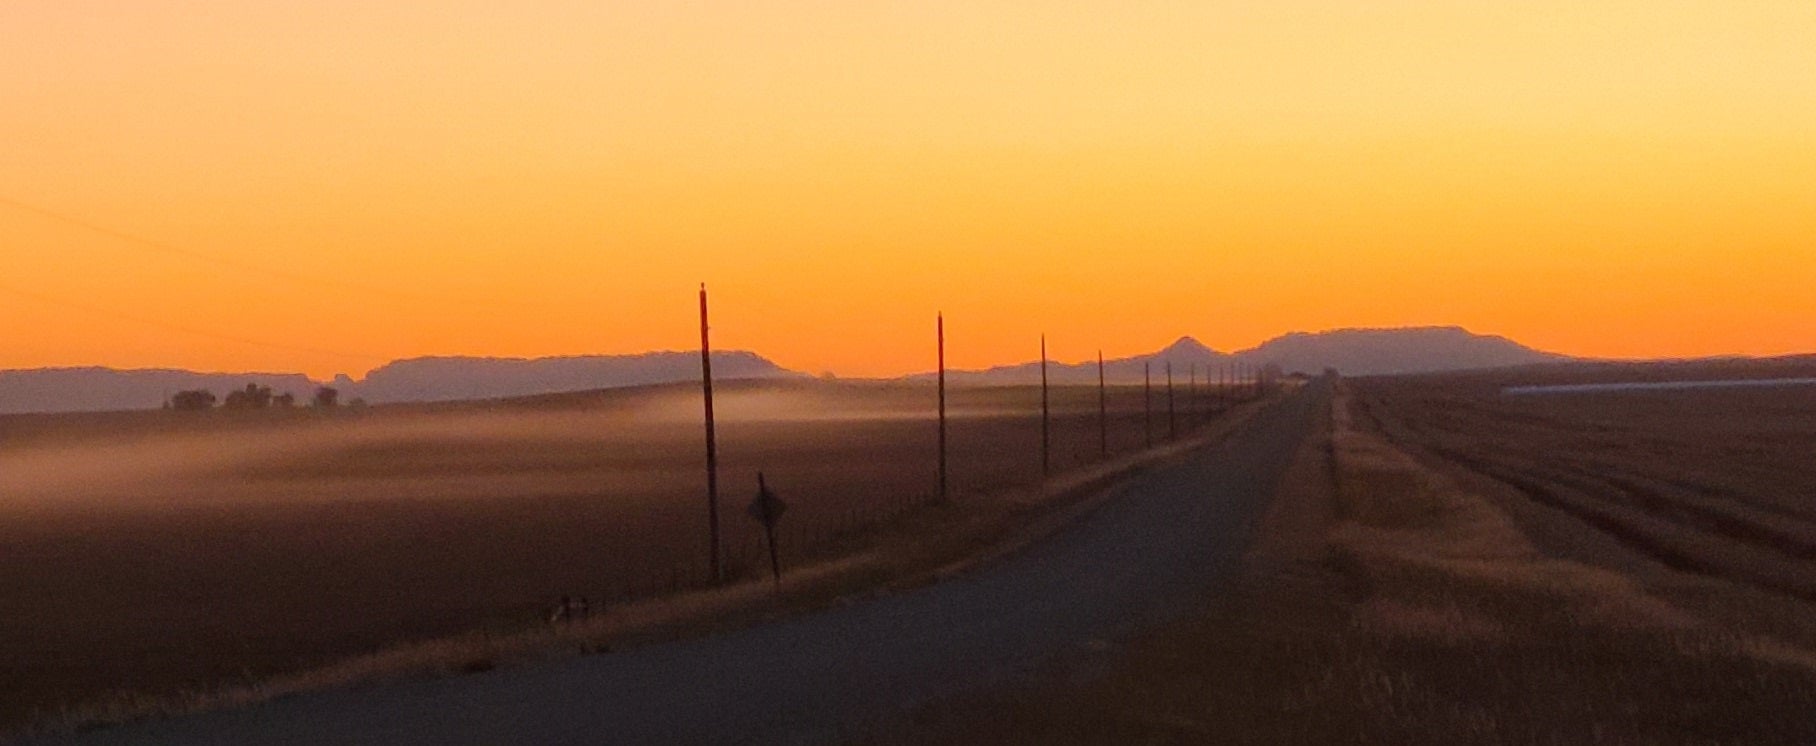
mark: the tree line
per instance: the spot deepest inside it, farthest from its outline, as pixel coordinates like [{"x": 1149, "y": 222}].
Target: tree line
[{"x": 254, "y": 396}]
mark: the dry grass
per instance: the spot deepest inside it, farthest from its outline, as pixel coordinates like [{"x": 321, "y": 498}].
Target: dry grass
[{"x": 1386, "y": 602}]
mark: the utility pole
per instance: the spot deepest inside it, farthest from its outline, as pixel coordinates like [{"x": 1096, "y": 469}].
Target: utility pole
[
  {"x": 942, "y": 352},
  {"x": 712, "y": 442},
  {"x": 1046, "y": 426},
  {"x": 1103, "y": 412}
]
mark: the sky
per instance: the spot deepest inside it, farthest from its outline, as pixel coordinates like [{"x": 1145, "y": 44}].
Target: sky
[{"x": 325, "y": 185}]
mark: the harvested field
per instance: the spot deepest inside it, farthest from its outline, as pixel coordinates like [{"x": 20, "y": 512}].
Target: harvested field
[
  {"x": 158, "y": 551},
  {"x": 1710, "y": 481},
  {"x": 1446, "y": 565}
]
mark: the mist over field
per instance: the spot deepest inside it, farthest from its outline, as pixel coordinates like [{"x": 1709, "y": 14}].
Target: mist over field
[
  {"x": 284, "y": 539},
  {"x": 421, "y": 453}
]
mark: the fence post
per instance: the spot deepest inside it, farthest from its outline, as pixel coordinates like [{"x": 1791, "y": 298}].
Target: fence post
[{"x": 712, "y": 443}]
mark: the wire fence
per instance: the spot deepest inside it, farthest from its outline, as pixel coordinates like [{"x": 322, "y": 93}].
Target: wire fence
[{"x": 844, "y": 474}]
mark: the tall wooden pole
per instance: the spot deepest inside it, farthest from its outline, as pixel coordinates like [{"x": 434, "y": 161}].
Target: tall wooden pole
[
  {"x": 1147, "y": 401},
  {"x": 712, "y": 442},
  {"x": 1046, "y": 425},
  {"x": 1172, "y": 426},
  {"x": 942, "y": 346},
  {"x": 1103, "y": 411}
]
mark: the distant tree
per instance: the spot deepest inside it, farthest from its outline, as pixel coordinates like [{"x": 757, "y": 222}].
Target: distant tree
[
  {"x": 285, "y": 400},
  {"x": 327, "y": 397},
  {"x": 253, "y": 396},
  {"x": 192, "y": 401},
  {"x": 357, "y": 403}
]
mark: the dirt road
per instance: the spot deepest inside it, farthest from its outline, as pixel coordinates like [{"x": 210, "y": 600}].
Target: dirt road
[{"x": 1142, "y": 558}]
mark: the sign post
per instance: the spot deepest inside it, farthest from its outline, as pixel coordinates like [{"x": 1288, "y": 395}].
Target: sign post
[{"x": 768, "y": 510}]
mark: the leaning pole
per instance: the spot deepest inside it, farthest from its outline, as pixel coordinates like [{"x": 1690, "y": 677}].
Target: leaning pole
[{"x": 717, "y": 566}]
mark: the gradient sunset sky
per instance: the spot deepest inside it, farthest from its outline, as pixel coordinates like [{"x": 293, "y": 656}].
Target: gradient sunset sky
[{"x": 323, "y": 185}]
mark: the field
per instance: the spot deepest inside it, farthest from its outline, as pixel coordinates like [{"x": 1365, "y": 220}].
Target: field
[
  {"x": 1716, "y": 482},
  {"x": 152, "y": 552},
  {"x": 1452, "y": 564}
]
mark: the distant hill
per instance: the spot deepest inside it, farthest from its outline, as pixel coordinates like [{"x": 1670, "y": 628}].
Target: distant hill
[
  {"x": 1374, "y": 352},
  {"x": 105, "y": 389},
  {"x": 1182, "y": 354},
  {"x": 1353, "y": 352},
  {"x": 457, "y": 378},
  {"x": 418, "y": 380}
]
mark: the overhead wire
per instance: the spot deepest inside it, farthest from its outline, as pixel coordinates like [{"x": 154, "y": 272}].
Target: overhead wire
[
  {"x": 99, "y": 311},
  {"x": 254, "y": 268},
  {"x": 229, "y": 263}
]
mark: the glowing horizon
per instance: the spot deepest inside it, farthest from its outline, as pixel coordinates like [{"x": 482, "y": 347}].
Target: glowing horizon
[{"x": 326, "y": 187}]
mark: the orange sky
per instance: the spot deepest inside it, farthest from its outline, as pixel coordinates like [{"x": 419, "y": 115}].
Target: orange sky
[{"x": 330, "y": 184}]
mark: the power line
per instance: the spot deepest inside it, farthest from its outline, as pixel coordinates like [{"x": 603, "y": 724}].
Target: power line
[
  {"x": 254, "y": 268},
  {"x": 96, "y": 310}
]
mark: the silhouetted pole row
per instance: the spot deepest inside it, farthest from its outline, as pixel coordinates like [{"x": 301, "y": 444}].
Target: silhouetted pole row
[
  {"x": 1232, "y": 381},
  {"x": 1147, "y": 402},
  {"x": 1103, "y": 412},
  {"x": 1046, "y": 426},
  {"x": 942, "y": 348},
  {"x": 712, "y": 442}
]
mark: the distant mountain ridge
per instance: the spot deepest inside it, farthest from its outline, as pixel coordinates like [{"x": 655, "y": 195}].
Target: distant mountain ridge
[
  {"x": 1354, "y": 352},
  {"x": 455, "y": 378},
  {"x": 1184, "y": 354},
  {"x": 1381, "y": 352},
  {"x": 417, "y": 380}
]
